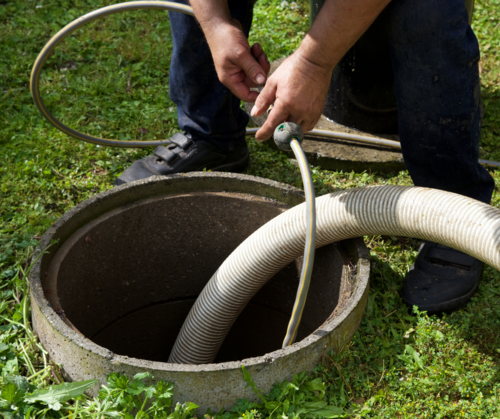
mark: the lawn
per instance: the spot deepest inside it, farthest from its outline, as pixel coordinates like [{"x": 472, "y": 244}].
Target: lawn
[{"x": 111, "y": 79}]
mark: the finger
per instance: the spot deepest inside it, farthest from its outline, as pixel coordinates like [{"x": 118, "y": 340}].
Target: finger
[
  {"x": 242, "y": 91},
  {"x": 236, "y": 83},
  {"x": 307, "y": 127},
  {"x": 261, "y": 57},
  {"x": 252, "y": 96},
  {"x": 310, "y": 125},
  {"x": 251, "y": 67},
  {"x": 250, "y": 83},
  {"x": 264, "y": 63},
  {"x": 265, "y": 99},
  {"x": 276, "y": 117},
  {"x": 295, "y": 120},
  {"x": 299, "y": 121}
]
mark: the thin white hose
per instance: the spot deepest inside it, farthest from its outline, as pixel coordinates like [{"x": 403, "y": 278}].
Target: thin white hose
[
  {"x": 444, "y": 217},
  {"x": 309, "y": 249},
  {"x": 364, "y": 139}
]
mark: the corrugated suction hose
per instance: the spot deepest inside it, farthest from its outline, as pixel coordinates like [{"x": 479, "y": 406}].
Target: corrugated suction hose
[
  {"x": 447, "y": 218},
  {"x": 442, "y": 217}
]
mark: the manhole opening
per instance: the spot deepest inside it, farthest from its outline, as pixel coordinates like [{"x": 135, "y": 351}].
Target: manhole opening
[{"x": 128, "y": 279}]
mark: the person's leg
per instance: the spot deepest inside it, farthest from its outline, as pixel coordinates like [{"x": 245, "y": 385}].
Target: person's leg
[
  {"x": 209, "y": 115},
  {"x": 206, "y": 108},
  {"x": 435, "y": 61},
  {"x": 435, "y": 57}
]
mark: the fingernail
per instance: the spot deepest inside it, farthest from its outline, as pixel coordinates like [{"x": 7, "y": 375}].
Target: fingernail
[
  {"x": 260, "y": 78},
  {"x": 267, "y": 59},
  {"x": 253, "y": 111}
]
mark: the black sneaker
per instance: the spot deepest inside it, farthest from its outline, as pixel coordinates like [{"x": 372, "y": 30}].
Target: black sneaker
[
  {"x": 442, "y": 279},
  {"x": 186, "y": 155}
]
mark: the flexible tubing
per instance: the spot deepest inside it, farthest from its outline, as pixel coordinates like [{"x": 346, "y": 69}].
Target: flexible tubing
[
  {"x": 163, "y": 5},
  {"x": 429, "y": 214},
  {"x": 309, "y": 249},
  {"x": 364, "y": 139},
  {"x": 68, "y": 30}
]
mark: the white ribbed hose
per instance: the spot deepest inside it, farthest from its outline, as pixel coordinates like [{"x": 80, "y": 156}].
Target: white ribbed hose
[{"x": 447, "y": 218}]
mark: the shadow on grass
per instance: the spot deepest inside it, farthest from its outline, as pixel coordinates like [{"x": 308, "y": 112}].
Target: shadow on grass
[{"x": 479, "y": 322}]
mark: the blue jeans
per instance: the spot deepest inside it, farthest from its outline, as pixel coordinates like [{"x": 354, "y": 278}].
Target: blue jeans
[
  {"x": 206, "y": 108},
  {"x": 434, "y": 55}
]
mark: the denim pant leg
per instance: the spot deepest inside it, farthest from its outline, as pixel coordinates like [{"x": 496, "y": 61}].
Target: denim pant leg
[
  {"x": 206, "y": 108},
  {"x": 435, "y": 55}
]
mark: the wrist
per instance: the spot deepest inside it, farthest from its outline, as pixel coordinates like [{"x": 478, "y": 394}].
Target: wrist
[
  {"x": 313, "y": 65},
  {"x": 316, "y": 55},
  {"x": 214, "y": 22},
  {"x": 220, "y": 29}
]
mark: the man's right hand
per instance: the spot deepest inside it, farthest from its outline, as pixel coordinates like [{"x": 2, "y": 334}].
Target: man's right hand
[{"x": 238, "y": 66}]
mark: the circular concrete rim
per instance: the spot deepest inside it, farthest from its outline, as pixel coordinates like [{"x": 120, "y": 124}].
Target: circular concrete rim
[{"x": 38, "y": 297}]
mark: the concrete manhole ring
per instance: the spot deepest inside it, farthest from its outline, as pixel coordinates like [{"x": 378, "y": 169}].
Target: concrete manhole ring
[{"x": 113, "y": 292}]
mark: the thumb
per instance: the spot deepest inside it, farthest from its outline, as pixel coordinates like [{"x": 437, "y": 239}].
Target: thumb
[
  {"x": 252, "y": 68},
  {"x": 265, "y": 99}
]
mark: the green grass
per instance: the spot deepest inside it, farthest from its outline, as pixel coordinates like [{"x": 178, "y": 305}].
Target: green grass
[
  {"x": 487, "y": 26},
  {"x": 111, "y": 79}
]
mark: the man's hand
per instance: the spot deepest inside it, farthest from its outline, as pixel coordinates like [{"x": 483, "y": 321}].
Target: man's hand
[
  {"x": 238, "y": 66},
  {"x": 300, "y": 85},
  {"x": 298, "y": 89}
]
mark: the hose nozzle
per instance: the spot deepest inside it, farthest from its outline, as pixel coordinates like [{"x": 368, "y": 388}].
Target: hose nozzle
[{"x": 285, "y": 133}]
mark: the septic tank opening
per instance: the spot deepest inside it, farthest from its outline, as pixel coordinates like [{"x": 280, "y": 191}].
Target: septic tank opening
[{"x": 128, "y": 279}]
